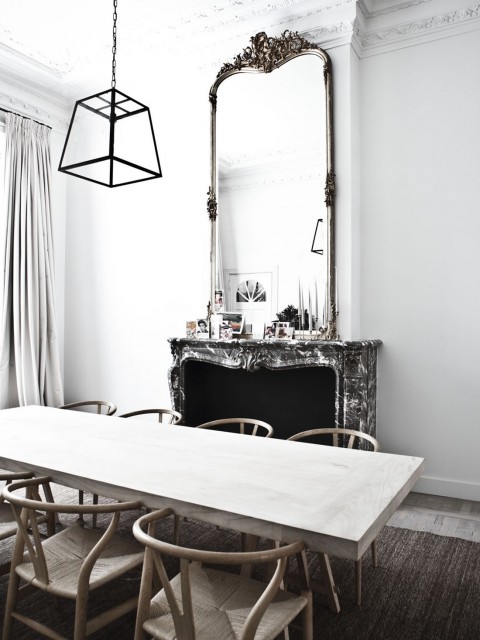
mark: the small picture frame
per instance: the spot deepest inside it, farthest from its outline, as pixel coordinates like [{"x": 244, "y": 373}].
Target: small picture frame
[
  {"x": 201, "y": 329},
  {"x": 219, "y": 304},
  {"x": 191, "y": 328},
  {"x": 269, "y": 332},
  {"x": 283, "y": 332},
  {"x": 225, "y": 331},
  {"x": 235, "y": 320}
]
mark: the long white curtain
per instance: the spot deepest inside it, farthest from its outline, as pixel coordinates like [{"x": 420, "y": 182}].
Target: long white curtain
[{"x": 29, "y": 357}]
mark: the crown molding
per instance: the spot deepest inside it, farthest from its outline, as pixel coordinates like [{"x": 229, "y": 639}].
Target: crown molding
[
  {"x": 414, "y": 32},
  {"x": 25, "y": 104},
  {"x": 368, "y": 13},
  {"x": 334, "y": 35}
]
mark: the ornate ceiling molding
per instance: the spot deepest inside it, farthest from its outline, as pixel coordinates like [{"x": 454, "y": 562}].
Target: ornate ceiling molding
[
  {"x": 363, "y": 4},
  {"x": 331, "y": 35},
  {"x": 415, "y": 31},
  {"x": 30, "y": 110}
]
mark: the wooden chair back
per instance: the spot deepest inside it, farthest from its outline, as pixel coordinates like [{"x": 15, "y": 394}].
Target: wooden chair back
[
  {"x": 26, "y": 508},
  {"x": 165, "y": 416},
  {"x": 347, "y": 438},
  {"x": 8, "y": 523},
  {"x": 100, "y": 406},
  {"x": 68, "y": 563},
  {"x": 245, "y": 426},
  {"x": 186, "y": 612}
]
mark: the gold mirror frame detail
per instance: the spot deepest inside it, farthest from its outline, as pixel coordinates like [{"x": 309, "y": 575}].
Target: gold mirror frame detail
[{"x": 264, "y": 55}]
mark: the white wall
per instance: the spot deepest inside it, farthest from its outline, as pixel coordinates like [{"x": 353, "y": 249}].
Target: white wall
[
  {"x": 420, "y": 283},
  {"x": 137, "y": 263}
]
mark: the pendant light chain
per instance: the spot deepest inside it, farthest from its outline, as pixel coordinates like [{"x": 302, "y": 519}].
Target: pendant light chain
[{"x": 114, "y": 48}]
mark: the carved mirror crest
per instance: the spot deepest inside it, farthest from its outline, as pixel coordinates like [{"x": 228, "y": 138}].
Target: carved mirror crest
[{"x": 272, "y": 190}]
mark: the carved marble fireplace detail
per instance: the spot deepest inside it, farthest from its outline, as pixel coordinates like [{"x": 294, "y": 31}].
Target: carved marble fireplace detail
[{"x": 322, "y": 383}]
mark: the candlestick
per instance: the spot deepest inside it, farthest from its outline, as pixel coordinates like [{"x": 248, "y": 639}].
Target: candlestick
[
  {"x": 300, "y": 305},
  {"x": 309, "y": 309},
  {"x": 336, "y": 291},
  {"x": 325, "y": 305},
  {"x": 316, "y": 305}
]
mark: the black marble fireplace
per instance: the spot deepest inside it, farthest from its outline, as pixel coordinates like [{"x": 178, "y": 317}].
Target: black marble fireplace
[{"x": 293, "y": 385}]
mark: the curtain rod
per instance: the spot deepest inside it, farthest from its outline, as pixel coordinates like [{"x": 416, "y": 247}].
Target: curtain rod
[{"x": 26, "y": 117}]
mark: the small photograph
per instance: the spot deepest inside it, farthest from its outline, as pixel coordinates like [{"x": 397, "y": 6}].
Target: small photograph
[
  {"x": 284, "y": 333},
  {"x": 216, "y": 322},
  {"x": 226, "y": 331},
  {"x": 219, "y": 305},
  {"x": 269, "y": 333},
  {"x": 202, "y": 329},
  {"x": 191, "y": 328},
  {"x": 235, "y": 320}
]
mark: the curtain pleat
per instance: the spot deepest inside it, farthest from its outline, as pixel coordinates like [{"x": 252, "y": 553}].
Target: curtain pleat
[{"x": 29, "y": 355}]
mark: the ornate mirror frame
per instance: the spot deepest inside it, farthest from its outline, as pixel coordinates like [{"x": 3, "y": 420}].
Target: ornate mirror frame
[{"x": 264, "y": 55}]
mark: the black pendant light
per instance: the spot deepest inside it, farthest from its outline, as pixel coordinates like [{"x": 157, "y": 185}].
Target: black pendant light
[{"x": 110, "y": 139}]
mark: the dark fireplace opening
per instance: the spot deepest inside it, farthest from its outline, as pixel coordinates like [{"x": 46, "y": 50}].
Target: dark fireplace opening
[{"x": 291, "y": 400}]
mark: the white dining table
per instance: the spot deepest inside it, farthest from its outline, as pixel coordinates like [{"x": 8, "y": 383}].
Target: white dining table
[{"x": 335, "y": 500}]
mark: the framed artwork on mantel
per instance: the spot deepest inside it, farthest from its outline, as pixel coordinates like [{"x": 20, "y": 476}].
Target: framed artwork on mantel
[{"x": 253, "y": 293}]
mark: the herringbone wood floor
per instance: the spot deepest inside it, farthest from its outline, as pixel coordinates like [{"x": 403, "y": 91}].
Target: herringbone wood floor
[{"x": 436, "y": 514}]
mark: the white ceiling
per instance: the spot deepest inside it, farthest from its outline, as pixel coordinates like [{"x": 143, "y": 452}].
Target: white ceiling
[
  {"x": 64, "y": 46},
  {"x": 69, "y": 41}
]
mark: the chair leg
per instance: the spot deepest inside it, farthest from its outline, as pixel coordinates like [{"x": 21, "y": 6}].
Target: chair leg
[
  {"x": 374, "y": 553},
  {"x": 94, "y": 517},
  {"x": 358, "y": 581},
  {"x": 52, "y": 517},
  {"x": 81, "y": 610},
  {"x": 12, "y": 594},
  {"x": 13, "y": 587},
  {"x": 307, "y": 617},
  {"x": 80, "y": 501}
]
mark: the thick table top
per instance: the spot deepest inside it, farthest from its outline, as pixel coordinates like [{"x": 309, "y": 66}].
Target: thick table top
[{"x": 335, "y": 500}]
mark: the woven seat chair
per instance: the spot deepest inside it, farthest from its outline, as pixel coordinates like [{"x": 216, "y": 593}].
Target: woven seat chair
[
  {"x": 245, "y": 426},
  {"x": 103, "y": 407},
  {"x": 165, "y": 416},
  {"x": 348, "y": 438},
  {"x": 204, "y": 603},
  {"x": 8, "y": 523},
  {"x": 69, "y": 564}
]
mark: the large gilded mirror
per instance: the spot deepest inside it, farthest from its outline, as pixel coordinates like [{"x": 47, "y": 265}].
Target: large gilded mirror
[{"x": 271, "y": 197}]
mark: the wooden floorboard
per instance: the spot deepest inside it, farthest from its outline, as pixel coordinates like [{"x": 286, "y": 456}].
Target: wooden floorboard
[{"x": 441, "y": 515}]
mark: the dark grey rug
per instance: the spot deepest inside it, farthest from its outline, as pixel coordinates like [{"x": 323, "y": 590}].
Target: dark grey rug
[{"x": 427, "y": 587}]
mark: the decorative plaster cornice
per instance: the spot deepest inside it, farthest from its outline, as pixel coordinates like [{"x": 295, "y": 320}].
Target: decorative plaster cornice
[
  {"x": 431, "y": 26},
  {"x": 29, "y": 110},
  {"x": 397, "y": 7},
  {"x": 330, "y": 35}
]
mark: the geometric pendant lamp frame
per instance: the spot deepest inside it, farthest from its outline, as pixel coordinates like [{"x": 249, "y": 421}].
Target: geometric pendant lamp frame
[
  {"x": 315, "y": 248},
  {"x": 114, "y": 108}
]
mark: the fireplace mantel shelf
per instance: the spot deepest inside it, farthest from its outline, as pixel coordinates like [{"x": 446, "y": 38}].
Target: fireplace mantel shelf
[
  {"x": 271, "y": 354},
  {"x": 354, "y": 363}
]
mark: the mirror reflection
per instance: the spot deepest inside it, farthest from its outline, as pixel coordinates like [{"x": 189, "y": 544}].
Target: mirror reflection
[{"x": 271, "y": 137}]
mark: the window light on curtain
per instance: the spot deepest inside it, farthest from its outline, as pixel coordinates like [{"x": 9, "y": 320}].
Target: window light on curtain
[{"x": 29, "y": 356}]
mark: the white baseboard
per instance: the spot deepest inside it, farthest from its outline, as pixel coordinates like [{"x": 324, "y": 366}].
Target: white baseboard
[{"x": 448, "y": 488}]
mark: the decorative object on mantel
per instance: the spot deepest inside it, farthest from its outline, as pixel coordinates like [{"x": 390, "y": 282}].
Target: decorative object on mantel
[
  {"x": 110, "y": 139},
  {"x": 315, "y": 318},
  {"x": 289, "y": 314}
]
